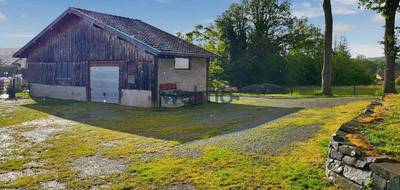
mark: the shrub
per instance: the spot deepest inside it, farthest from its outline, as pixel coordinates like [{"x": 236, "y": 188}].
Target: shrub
[
  {"x": 398, "y": 81},
  {"x": 11, "y": 92},
  {"x": 265, "y": 88},
  {"x": 218, "y": 84}
]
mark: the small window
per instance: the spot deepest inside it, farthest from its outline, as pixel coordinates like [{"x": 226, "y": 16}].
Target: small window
[{"x": 182, "y": 63}]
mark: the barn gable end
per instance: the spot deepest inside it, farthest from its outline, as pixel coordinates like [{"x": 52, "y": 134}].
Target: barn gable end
[{"x": 90, "y": 56}]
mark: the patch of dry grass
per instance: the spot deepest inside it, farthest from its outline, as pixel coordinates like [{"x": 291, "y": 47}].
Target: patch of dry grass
[{"x": 384, "y": 135}]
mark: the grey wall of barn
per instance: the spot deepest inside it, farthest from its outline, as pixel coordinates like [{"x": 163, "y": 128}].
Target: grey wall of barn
[
  {"x": 186, "y": 80},
  {"x": 58, "y": 92},
  {"x": 137, "y": 98}
]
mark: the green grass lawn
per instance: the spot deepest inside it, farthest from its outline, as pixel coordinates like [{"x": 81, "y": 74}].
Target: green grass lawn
[
  {"x": 385, "y": 135},
  {"x": 148, "y": 142},
  {"x": 315, "y": 91}
]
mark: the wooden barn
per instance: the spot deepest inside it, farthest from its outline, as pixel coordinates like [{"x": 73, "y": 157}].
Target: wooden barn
[{"x": 90, "y": 56}]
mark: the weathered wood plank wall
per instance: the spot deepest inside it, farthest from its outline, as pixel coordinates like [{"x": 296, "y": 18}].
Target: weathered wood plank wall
[
  {"x": 46, "y": 73},
  {"x": 76, "y": 40}
]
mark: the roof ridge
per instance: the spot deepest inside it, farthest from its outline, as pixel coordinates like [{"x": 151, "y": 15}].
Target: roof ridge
[
  {"x": 102, "y": 13},
  {"x": 135, "y": 31},
  {"x": 180, "y": 40},
  {"x": 79, "y": 9}
]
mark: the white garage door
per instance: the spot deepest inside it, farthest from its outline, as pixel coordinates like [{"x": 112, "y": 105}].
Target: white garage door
[{"x": 104, "y": 84}]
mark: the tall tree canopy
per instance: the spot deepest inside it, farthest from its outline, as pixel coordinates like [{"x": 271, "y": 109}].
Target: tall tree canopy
[
  {"x": 387, "y": 8},
  {"x": 260, "y": 41},
  {"x": 256, "y": 33}
]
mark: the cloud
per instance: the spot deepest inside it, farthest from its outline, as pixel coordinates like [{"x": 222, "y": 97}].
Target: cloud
[
  {"x": 314, "y": 8},
  {"x": 340, "y": 27},
  {"x": 305, "y": 9},
  {"x": 159, "y": 1},
  {"x": 1, "y": 1},
  {"x": 344, "y": 7},
  {"x": 379, "y": 18},
  {"x": 369, "y": 50},
  {"x": 344, "y": 10},
  {"x": 2, "y": 17},
  {"x": 347, "y": 2}
]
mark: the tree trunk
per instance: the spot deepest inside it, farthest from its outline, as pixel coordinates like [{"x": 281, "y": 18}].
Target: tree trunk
[
  {"x": 326, "y": 85},
  {"x": 389, "y": 41}
]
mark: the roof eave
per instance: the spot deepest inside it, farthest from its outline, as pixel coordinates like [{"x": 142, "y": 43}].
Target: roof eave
[
  {"x": 71, "y": 10},
  {"x": 117, "y": 32},
  {"x": 19, "y": 53},
  {"x": 178, "y": 54}
]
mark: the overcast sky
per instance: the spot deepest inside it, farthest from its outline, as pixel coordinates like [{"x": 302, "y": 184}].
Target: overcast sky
[{"x": 21, "y": 20}]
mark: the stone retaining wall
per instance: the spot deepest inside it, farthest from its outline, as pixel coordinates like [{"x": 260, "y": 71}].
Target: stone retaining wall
[{"x": 351, "y": 167}]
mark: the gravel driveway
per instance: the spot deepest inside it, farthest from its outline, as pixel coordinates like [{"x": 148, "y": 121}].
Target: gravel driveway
[
  {"x": 99, "y": 153},
  {"x": 297, "y": 102}
]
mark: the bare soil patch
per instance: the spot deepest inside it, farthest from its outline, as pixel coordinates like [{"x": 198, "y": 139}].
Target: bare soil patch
[
  {"x": 7, "y": 142},
  {"x": 49, "y": 121},
  {"x": 39, "y": 135},
  {"x": 52, "y": 185},
  {"x": 14, "y": 175},
  {"x": 96, "y": 166}
]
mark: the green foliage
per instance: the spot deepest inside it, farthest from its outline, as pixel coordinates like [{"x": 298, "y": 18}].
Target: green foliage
[
  {"x": 348, "y": 71},
  {"x": 218, "y": 84},
  {"x": 8, "y": 70},
  {"x": 398, "y": 81},
  {"x": 256, "y": 34},
  {"x": 208, "y": 37},
  {"x": 260, "y": 41},
  {"x": 376, "y": 5},
  {"x": 304, "y": 68}
]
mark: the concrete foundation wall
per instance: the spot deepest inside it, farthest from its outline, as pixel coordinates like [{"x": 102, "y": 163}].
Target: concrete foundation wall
[
  {"x": 58, "y": 92},
  {"x": 137, "y": 98},
  {"x": 185, "y": 80}
]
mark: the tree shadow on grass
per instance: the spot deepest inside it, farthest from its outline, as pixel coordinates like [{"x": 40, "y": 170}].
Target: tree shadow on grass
[{"x": 181, "y": 124}]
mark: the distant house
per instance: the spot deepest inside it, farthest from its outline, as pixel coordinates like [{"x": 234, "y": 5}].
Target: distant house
[
  {"x": 6, "y": 57},
  {"x": 4, "y": 82},
  {"x": 380, "y": 75},
  {"x": 91, "y": 56}
]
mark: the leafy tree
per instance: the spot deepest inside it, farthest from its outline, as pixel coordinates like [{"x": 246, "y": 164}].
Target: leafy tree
[
  {"x": 304, "y": 57},
  {"x": 327, "y": 66},
  {"x": 8, "y": 70},
  {"x": 387, "y": 8},
  {"x": 259, "y": 41},
  {"x": 208, "y": 38},
  {"x": 233, "y": 27},
  {"x": 257, "y": 34},
  {"x": 348, "y": 71}
]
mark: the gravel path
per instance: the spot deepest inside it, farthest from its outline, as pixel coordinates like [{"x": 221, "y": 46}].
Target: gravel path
[
  {"x": 259, "y": 140},
  {"x": 303, "y": 102},
  {"x": 267, "y": 140}
]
